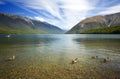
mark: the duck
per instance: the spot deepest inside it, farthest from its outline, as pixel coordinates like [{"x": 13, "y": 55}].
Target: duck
[
  {"x": 8, "y": 36},
  {"x": 74, "y": 61},
  {"x": 94, "y": 57},
  {"x": 107, "y": 60},
  {"x": 11, "y": 58}
]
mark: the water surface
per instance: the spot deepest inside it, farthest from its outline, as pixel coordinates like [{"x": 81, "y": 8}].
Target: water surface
[{"x": 49, "y": 56}]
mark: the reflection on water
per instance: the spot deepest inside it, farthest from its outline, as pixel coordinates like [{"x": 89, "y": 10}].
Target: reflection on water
[
  {"x": 101, "y": 44},
  {"x": 41, "y": 55},
  {"x": 26, "y": 40}
]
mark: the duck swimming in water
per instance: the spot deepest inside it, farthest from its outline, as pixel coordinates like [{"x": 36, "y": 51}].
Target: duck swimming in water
[
  {"x": 107, "y": 60},
  {"x": 8, "y": 36},
  {"x": 74, "y": 61},
  {"x": 94, "y": 57},
  {"x": 11, "y": 58}
]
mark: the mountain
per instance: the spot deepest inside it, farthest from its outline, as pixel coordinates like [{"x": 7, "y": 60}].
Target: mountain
[
  {"x": 16, "y": 24},
  {"x": 96, "y": 22}
]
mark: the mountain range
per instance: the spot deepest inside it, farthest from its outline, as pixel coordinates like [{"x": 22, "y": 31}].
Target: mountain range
[
  {"x": 98, "y": 24},
  {"x": 15, "y": 24}
]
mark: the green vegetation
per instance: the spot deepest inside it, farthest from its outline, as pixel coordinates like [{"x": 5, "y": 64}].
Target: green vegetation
[
  {"x": 25, "y": 31},
  {"x": 14, "y": 31},
  {"x": 106, "y": 30}
]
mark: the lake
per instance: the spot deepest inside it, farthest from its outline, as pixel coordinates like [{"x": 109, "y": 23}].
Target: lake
[{"x": 49, "y": 56}]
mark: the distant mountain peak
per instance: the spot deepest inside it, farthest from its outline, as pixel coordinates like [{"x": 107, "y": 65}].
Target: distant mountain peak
[{"x": 97, "y": 22}]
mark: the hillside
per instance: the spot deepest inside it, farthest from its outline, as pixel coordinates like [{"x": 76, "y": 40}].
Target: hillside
[
  {"x": 96, "y": 22},
  {"x": 14, "y": 24},
  {"x": 105, "y": 30}
]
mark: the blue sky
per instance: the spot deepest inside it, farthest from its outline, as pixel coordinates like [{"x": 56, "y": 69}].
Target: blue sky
[{"x": 62, "y": 13}]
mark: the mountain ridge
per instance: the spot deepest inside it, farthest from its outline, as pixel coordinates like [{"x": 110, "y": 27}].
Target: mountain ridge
[
  {"x": 96, "y": 22},
  {"x": 26, "y": 25}
]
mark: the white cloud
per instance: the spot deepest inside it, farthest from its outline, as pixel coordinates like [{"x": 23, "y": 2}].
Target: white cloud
[
  {"x": 110, "y": 10},
  {"x": 39, "y": 18},
  {"x": 78, "y": 5},
  {"x": 75, "y": 11}
]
